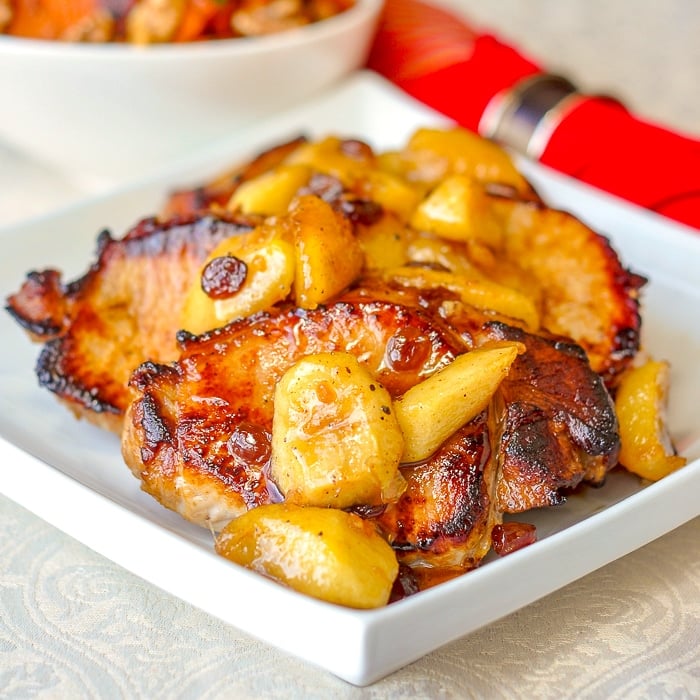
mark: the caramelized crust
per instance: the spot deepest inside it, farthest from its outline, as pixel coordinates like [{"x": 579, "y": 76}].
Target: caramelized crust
[
  {"x": 445, "y": 517},
  {"x": 557, "y": 423},
  {"x": 40, "y": 306},
  {"x": 125, "y": 310},
  {"x": 588, "y": 295}
]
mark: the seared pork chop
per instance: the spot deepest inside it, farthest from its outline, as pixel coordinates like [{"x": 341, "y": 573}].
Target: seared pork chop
[{"x": 123, "y": 311}]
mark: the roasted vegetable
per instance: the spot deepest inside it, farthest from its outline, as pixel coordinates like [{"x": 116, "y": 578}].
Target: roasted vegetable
[{"x": 157, "y": 21}]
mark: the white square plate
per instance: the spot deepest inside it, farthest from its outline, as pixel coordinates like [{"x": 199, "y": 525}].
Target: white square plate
[{"x": 72, "y": 475}]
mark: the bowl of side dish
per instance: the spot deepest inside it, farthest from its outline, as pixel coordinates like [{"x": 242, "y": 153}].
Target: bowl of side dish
[{"x": 105, "y": 112}]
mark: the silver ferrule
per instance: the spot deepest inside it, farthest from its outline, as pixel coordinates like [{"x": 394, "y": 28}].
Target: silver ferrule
[{"x": 525, "y": 116}]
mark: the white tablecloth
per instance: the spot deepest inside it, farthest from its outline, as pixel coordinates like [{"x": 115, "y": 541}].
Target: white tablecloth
[{"x": 73, "y": 624}]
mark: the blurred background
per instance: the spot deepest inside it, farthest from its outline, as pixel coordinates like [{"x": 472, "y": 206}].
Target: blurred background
[{"x": 645, "y": 53}]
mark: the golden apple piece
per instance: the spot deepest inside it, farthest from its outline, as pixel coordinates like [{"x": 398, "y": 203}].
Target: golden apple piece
[
  {"x": 323, "y": 552},
  {"x": 348, "y": 161},
  {"x": 269, "y": 280},
  {"x": 394, "y": 193},
  {"x": 458, "y": 209},
  {"x": 268, "y": 268},
  {"x": 384, "y": 243},
  {"x": 641, "y": 402},
  {"x": 427, "y": 250},
  {"x": 328, "y": 257},
  {"x": 197, "y": 314},
  {"x": 335, "y": 438},
  {"x": 270, "y": 194},
  {"x": 479, "y": 293},
  {"x": 434, "y": 409},
  {"x": 391, "y": 162},
  {"x": 432, "y": 154}
]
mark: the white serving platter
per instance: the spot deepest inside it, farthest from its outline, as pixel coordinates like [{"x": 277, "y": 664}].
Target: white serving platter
[{"x": 71, "y": 474}]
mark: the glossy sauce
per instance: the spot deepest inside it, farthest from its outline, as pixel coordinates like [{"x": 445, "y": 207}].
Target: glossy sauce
[
  {"x": 510, "y": 537},
  {"x": 250, "y": 443}
]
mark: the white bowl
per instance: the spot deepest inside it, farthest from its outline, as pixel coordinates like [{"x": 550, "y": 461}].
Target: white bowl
[{"x": 105, "y": 113}]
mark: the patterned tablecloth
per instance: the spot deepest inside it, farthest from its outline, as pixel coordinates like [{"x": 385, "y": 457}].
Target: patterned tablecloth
[{"x": 73, "y": 624}]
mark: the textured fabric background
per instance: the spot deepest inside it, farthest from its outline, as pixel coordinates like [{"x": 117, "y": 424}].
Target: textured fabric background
[{"x": 74, "y": 625}]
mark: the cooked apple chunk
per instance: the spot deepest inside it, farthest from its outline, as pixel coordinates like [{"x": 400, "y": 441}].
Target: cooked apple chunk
[
  {"x": 384, "y": 243},
  {"x": 269, "y": 280},
  {"x": 268, "y": 262},
  {"x": 434, "y": 409},
  {"x": 458, "y": 209},
  {"x": 347, "y": 160},
  {"x": 432, "y": 154},
  {"x": 323, "y": 552},
  {"x": 394, "y": 193},
  {"x": 270, "y": 194},
  {"x": 328, "y": 256},
  {"x": 335, "y": 438},
  {"x": 646, "y": 448},
  {"x": 481, "y": 293}
]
